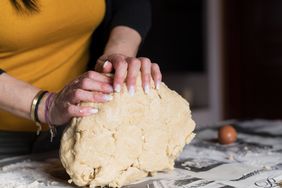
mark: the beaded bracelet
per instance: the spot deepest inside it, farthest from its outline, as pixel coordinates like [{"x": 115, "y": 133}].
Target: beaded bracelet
[
  {"x": 34, "y": 109},
  {"x": 48, "y": 103}
]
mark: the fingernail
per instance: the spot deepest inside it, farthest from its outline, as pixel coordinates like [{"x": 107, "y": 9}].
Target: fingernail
[
  {"x": 117, "y": 88},
  {"x": 106, "y": 63},
  {"x": 147, "y": 89},
  {"x": 93, "y": 110},
  {"x": 89, "y": 111},
  {"x": 158, "y": 85},
  {"x": 131, "y": 90},
  {"x": 108, "y": 97}
]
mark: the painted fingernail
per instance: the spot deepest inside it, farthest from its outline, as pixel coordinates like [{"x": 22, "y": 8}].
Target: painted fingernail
[
  {"x": 105, "y": 63},
  {"x": 147, "y": 89},
  {"x": 117, "y": 88},
  {"x": 158, "y": 85},
  {"x": 89, "y": 111},
  {"x": 131, "y": 90},
  {"x": 108, "y": 97},
  {"x": 93, "y": 110}
]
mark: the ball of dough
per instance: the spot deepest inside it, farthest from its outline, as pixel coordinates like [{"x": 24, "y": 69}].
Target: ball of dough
[{"x": 130, "y": 137}]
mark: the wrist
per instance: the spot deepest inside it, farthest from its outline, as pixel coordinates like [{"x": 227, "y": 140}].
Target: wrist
[
  {"x": 48, "y": 104},
  {"x": 34, "y": 109},
  {"x": 123, "y": 40},
  {"x": 120, "y": 47},
  {"x": 43, "y": 112},
  {"x": 41, "y": 109}
]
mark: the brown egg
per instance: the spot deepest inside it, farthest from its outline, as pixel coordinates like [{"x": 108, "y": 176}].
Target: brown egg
[{"x": 227, "y": 134}]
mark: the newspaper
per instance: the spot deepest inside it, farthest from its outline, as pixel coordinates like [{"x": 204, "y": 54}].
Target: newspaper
[{"x": 254, "y": 161}]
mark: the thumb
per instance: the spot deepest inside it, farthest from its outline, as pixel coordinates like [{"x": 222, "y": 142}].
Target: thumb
[{"x": 104, "y": 66}]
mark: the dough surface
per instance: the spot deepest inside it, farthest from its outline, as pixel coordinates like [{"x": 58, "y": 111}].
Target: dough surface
[{"x": 130, "y": 137}]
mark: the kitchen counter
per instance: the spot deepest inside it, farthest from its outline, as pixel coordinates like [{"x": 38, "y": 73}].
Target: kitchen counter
[{"x": 253, "y": 161}]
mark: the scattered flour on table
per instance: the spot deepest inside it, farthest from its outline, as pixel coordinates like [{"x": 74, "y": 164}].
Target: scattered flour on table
[{"x": 31, "y": 174}]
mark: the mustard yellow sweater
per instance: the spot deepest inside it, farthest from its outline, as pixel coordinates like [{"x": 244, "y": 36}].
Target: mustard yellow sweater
[{"x": 46, "y": 49}]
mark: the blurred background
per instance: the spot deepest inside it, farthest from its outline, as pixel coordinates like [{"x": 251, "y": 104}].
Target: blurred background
[{"x": 224, "y": 57}]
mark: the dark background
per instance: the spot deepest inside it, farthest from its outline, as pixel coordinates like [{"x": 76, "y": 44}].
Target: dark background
[
  {"x": 176, "y": 39},
  {"x": 252, "y": 50},
  {"x": 253, "y": 59}
]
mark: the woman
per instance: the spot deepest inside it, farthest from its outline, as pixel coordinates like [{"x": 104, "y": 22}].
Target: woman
[{"x": 44, "y": 52}]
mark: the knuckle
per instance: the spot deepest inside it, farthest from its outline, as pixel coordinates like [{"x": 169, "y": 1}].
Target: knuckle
[
  {"x": 89, "y": 74},
  {"x": 77, "y": 93},
  {"x": 70, "y": 109},
  {"x": 134, "y": 61},
  {"x": 155, "y": 66},
  {"x": 96, "y": 96},
  {"x": 85, "y": 82},
  {"x": 120, "y": 76},
  {"x": 122, "y": 63},
  {"x": 119, "y": 59},
  {"x": 103, "y": 87},
  {"x": 145, "y": 60},
  {"x": 131, "y": 77},
  {"x": 131, "y": 80},
  {"x": 146, "y": 76}
]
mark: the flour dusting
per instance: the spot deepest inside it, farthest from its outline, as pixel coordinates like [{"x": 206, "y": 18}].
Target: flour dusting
[{"x": 33, "y": 174}]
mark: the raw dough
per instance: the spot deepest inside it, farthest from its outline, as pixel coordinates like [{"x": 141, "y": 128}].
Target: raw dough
[{"x": 130, "y": 137}]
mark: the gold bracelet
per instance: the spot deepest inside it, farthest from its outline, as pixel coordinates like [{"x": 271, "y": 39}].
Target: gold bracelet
[{"x": 34, "y": 108}]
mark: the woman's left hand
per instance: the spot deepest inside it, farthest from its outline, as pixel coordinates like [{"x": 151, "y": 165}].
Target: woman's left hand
[{"x": 127, "y": 69}]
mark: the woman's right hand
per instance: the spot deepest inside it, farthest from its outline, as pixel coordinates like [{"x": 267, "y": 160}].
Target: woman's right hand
[{"x": 89, "y": 87}]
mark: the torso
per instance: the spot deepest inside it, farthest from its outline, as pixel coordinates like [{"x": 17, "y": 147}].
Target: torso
[{"x": 48, "y": 48}]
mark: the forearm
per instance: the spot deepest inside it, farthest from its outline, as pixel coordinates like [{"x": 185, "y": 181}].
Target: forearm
[
  {"x": 16, "y": 96},
  {"x": 123, "y": 40}
]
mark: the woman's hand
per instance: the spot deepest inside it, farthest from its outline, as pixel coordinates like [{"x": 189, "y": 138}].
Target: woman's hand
[
  {"x": 89, "y": 87},
  {"x": 127, "y": 69}
]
